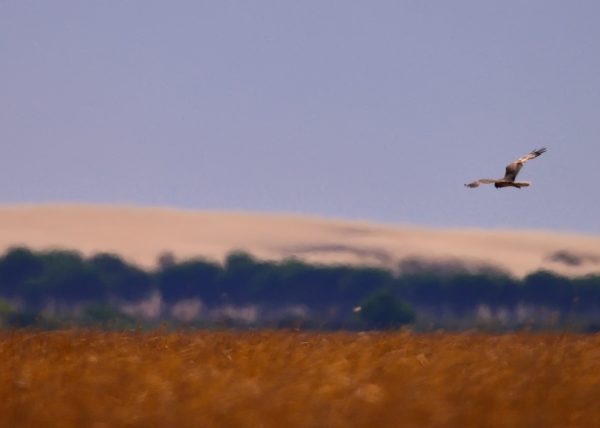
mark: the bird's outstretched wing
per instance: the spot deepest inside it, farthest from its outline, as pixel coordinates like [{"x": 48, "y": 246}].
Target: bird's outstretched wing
[
  {"x": 531, "y": 155},
  {"x": 513, "y": 169},
  {"x": 476, "y": 183}
]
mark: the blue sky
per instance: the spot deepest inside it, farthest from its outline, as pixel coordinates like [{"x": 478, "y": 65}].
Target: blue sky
[{"x": 362, "y": 110}]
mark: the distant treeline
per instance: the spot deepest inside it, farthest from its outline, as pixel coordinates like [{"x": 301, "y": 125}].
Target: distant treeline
[{"x": 336, "y": 294}]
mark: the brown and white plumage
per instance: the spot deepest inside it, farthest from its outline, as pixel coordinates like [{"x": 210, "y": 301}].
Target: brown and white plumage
[{"x": 512, "y": 170}]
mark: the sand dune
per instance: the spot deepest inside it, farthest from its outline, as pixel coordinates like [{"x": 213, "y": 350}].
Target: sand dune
[{"x": 142, "y": 234}]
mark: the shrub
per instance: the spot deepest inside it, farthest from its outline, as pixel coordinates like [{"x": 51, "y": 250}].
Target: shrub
[{"x": 384, "y": 310}]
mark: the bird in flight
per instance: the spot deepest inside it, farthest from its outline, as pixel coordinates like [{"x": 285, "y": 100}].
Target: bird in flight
[{"x": 511, "y": 173}]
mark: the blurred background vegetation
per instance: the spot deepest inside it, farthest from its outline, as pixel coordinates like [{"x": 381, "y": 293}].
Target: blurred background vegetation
[{"x": 49, "y": 289}]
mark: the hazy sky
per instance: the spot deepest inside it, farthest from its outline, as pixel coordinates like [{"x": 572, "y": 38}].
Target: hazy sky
[{"x": 363, "y": 110}]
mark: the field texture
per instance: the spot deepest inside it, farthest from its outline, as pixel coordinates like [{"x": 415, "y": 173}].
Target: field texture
[{"x": 296, "y": 379}]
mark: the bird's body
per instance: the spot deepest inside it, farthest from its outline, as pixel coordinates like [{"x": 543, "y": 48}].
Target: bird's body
[{"x": 512, "y": 170}]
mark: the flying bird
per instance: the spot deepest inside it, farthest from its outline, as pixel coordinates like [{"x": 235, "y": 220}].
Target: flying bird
[{"x": 511, "y": 173}]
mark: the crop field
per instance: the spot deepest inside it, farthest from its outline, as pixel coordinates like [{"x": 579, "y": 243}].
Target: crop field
[{"x": 88, "y": 378}]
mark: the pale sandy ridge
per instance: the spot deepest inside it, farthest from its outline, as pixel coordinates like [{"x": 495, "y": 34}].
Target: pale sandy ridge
[{"x": 141, "y": 234}]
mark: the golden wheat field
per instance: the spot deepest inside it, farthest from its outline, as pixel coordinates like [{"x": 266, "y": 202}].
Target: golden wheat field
[{"x": 85, "y": 378}]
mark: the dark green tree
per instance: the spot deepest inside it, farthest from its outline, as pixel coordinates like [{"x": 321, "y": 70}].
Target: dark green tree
[
  {"x": 122, "y": 280},
  {"x": 66, "y": 277},
  {"x": 190, "y": 279},
  {"x": 16, "y": 267},
  {"x": 384, "y": 310},
  {"x": 548, "y": 288}
]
